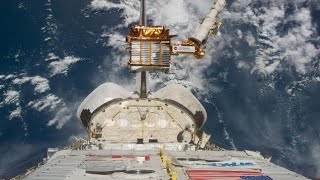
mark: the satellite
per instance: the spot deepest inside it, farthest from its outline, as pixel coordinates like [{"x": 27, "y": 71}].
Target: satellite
[{"x": 151, "y": 47}]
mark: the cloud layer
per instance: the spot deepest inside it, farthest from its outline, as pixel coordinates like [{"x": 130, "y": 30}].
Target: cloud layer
[
  {"x": 61, "y": 66},
  {"x": 40, "y": 84},
  {"x": 42, "y": 100},
  {"x": 283, "y": 37},
  {"x": 283, "y": 40}
]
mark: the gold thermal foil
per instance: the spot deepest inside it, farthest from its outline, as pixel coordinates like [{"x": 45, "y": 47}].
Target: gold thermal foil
[{"x": 152, "y": 32}]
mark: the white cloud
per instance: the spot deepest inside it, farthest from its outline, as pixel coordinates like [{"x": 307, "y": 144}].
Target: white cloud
[
  {"x": 47, "y": 39},
  {"x": 56, "y": 105},
  {"x": 62, "y": 65},
  {"x": 131, "y": 13},
  {"x": 12, "y": 97},
  {"x": 102, "y": 4},
  {"x": 61, "y": 118},
  {"x": 51, "y": 57},
  {"x": 16, "y": 113},
  {"x": 22, "y": 80},
  {"x": 10, "y": 76},
  {"x": 41, "y": 84},
  {"x": 50, "y": 102},
  {"x": 274, "y": 46},
  {"x": 116, "y": 40},
  {"x": 50, "y": 30},
  {"x": 250, "y": 39},
  {"x": 21, "y": 5}
]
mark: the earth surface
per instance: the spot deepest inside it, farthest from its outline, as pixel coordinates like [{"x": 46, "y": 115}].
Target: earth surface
[{"x": 259, "y": 80}]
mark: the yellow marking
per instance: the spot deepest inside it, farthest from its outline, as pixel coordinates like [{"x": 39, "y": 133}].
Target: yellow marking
[
  {"x": 115, "y": 114},
  {"x": 166, "y": 162},
  {"x": 142, "y": 129},
  {"x": 174, "y": 120}
]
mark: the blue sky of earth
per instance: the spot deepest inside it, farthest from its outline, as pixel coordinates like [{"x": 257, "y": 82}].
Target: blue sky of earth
[{"x": 259, "y": 80}]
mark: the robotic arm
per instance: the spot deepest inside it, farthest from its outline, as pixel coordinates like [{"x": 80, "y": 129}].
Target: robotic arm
[{"x": 208, "y": 27}]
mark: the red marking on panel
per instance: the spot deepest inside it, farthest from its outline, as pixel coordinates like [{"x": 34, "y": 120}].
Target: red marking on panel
[
  {"x": 205, "y": 174},
  {"x": 116, "y": 156},
  {"x": 147, "y": 158}
]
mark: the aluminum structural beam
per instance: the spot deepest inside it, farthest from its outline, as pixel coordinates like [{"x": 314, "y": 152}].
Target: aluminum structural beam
[
  {"x": 143, "y": 17},
  {"x": 142, "y": 77}
]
